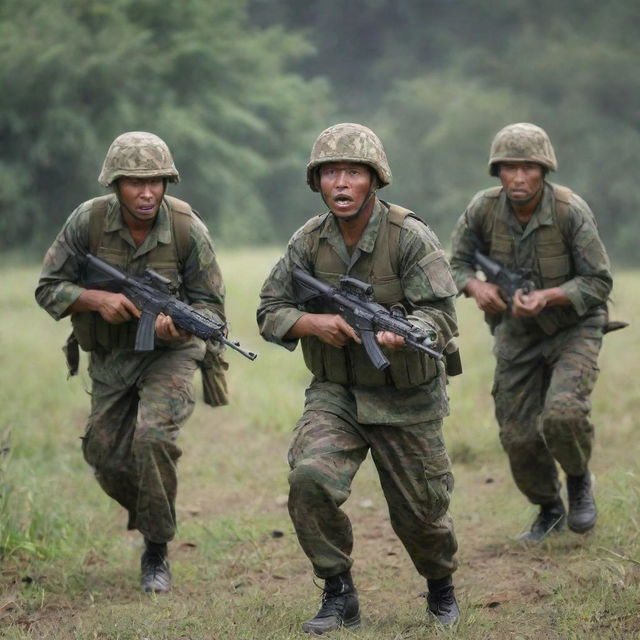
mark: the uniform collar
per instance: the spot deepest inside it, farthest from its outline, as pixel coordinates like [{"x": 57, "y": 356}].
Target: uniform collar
[
  {"x": 160, "y": 232},
  {"x": 331, "y": 232},
  {"x": 542, "y": 216}
]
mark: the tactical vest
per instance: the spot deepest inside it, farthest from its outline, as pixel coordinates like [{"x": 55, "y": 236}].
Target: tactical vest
[
  {"x": 350, "y": 364},
  {"x": 553, "y": 264},
  {"x": 89, "y": 328}
]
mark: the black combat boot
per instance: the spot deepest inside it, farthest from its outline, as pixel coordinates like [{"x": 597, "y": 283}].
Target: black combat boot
[
  {"x": 339, "y": 608},
  {"x": 552, "y": 517},
  {"x": 441, "y": 601},
  {"x": 582, "y": 508},
  {"x": 155, "y": 576}
]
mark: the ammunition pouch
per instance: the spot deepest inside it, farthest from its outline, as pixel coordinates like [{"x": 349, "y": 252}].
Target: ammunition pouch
[
  {"x": 351, "y": 365},
  {"x": 92, "y": 332},
  {"x": 214, "y": 382},
  {"x": 71, "y": 355}
]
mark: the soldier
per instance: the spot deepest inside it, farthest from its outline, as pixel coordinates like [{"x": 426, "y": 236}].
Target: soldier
[
  {"x": 351, "y": 407},
  {"x": 546, "y": 342},
  {"x": 139, "y": 400}
]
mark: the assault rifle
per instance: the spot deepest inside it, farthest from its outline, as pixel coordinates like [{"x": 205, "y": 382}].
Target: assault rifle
[
  {"x": 510, "y": 281},
  {"x": 353, "y": 300},
  {"x": 152, "y": 294},
  {"x": 507, "y": 281}
]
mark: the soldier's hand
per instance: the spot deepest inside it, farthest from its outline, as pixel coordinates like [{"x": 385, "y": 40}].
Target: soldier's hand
[
  {"x": 389, "y": 340},
  {"x": 487, "y": 296},
  {"x": 115, "y": 308},
  {"x": 167, "y": 330},
  {"x": 329, "y": 327},
  {"x": 528, "y": 305}
]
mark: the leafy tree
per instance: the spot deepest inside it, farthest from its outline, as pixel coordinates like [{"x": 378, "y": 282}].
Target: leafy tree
[
  {"x": 240, "y": 88},
  {"x": 215, "y": 88},
  {"x": 438, "y": 78}
]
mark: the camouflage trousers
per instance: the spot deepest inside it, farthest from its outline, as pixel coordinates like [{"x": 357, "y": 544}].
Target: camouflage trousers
[
  {"x": 542, "y": 390},
  {"x": 415, "y": 474},
  {"x": 139, "y": 402}
]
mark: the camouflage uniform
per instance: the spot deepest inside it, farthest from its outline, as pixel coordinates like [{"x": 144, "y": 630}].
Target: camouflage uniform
[
  {"x": 139, "y": 401},
  {"x": 352, "y": 408},
  {"x": 546, "y": 365}
]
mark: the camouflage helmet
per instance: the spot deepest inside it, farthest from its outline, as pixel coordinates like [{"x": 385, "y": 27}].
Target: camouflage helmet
[
  {"x": 348, "y": 142},
  {"x": 522, "y": 142},
  {"x": 138, "y": 154}
]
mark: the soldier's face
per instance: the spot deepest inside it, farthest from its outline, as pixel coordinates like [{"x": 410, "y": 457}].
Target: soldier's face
[
  {"x": 141, "y": 197},
  {"x": 345, "y": 185},
  {"x": 522, "y": 181}
]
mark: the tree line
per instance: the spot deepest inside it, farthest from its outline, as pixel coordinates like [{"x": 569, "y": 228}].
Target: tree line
[{"x": 240, "y": 88}]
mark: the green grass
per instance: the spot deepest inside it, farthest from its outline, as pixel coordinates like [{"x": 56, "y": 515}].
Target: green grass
[{"x": 68, "y": 569}]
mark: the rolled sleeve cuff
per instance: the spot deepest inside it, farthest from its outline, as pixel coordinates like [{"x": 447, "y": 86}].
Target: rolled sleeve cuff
[
  {"x": 280, "y": 325},
  {"x": 63, "y": 298},
  {"x": 462, "y": 280},
  {"x": 572, "y": 291}
]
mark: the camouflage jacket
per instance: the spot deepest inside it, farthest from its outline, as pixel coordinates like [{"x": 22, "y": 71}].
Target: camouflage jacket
[
  {"x": 427, "y": 287},
  {"x": 586, "y": 280},
  {"x": 58, "y": 287}
]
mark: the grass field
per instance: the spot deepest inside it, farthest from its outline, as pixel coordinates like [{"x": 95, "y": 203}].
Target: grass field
[{"x": 69, "y": 570}]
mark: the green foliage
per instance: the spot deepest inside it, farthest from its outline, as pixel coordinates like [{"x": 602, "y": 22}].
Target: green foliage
[
  {"x": 215, "y": 88},
  {"x": 447, "y": 161},
  {"x": 240, "y": 88},
  {"x": 438, "y": 79}
]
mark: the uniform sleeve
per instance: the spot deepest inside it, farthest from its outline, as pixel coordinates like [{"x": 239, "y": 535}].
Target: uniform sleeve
[
  {"x": 465, "y": 239},
  {"x": 593, "y": 282},
  {"x": 201, "y": 278},
  {"x": 427, "y": 281},
  {"x": 57, "y": 287},
  {"x": 278, "y": 310}
]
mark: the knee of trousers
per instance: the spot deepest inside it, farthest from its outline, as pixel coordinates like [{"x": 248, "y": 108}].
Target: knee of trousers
[
  {"x": 154, "y": 446},
  {"x": 97, "y": 452},
  {"x": 517, "y": 441},
  {"x": 309, "y": 483},
  {"x": 563, "y": 419},
  {"x": 427, "y": 511}
]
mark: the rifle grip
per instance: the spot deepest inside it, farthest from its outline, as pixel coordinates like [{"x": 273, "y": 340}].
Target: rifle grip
[
  {"x": 373, "y": 350},
  {"x": 145, "y": 336}
]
